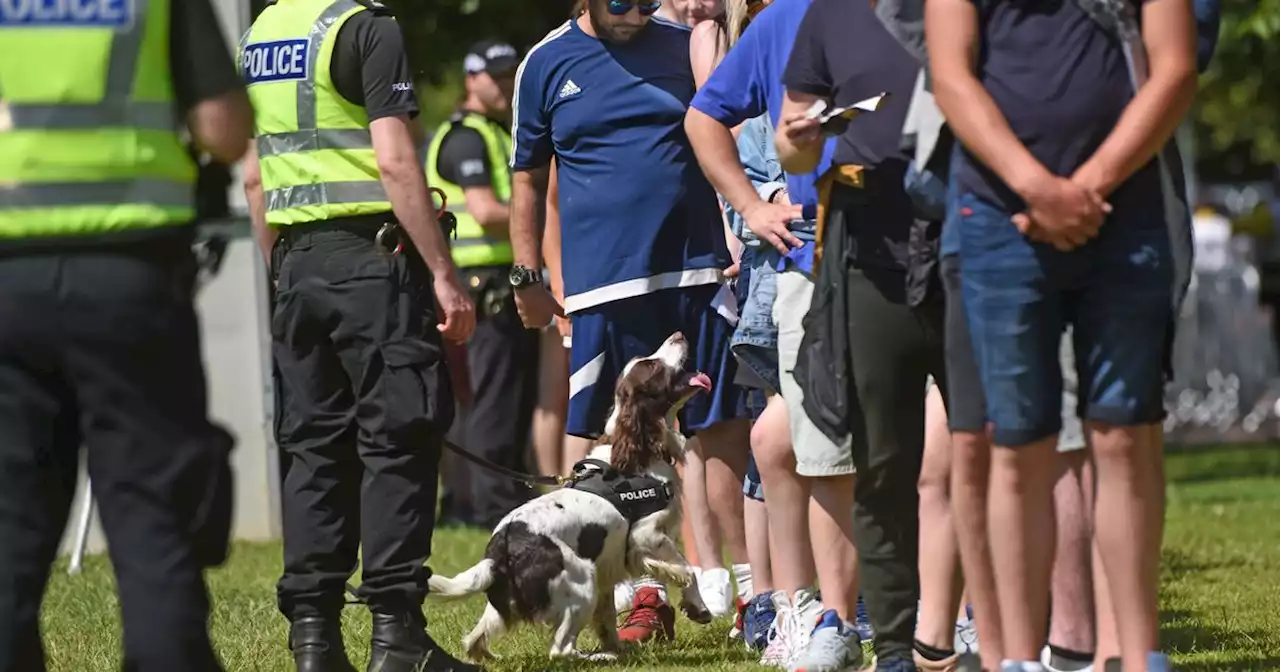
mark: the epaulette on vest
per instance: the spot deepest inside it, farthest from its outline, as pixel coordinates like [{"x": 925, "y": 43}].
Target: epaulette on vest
[
  {"x": 376, "y": 7},
  {"x": 633, "y": 495}
]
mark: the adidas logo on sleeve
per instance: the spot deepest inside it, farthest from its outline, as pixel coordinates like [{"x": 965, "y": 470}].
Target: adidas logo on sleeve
[{"x": 569, "y": 89}]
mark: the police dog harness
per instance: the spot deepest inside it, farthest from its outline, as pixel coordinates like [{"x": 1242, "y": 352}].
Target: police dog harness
[{"x": 633, "y": 495}]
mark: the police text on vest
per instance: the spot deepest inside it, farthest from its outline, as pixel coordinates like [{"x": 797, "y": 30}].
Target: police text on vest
[
  {"x": 66, "y": 13},
  {"x": 635, "y": 495},
  {"x": 278, "y": 61}
]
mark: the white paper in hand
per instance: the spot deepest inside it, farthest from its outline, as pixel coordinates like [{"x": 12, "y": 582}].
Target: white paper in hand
[{"x": 823, "y": 112}]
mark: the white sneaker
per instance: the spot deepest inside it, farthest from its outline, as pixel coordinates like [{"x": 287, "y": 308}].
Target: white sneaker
[
  {"x": 834, "y": 646},
  {"x": 624, "y": 595},
  {"x": 716, "y": 588},
  {"x": 966, "y": 637},
  {"x": 1046, "y": 657},
  {"x": 789, "y": 633}
]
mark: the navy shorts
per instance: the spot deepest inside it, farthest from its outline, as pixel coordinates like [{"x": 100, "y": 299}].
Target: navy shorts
[
  {"x": 607, "y": 336},
  {"x": 1117, "y": 293},
  {"x": 754, "y": 399}
]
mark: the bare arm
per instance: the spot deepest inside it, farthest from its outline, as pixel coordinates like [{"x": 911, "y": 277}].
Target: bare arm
[
  {"x": 801, "y": 157},
  {"x": 222, "y": 125},
  {"x": 253, "y": 194},
  {"x": 951, "y": 27},
  {"x": 1150, "y": 119},
  {"x": 528, "y": 192},
  {"x": 491, "y": 213},
  {"x": 396, "y": 149},
  {"x": 718, "y": 155}
]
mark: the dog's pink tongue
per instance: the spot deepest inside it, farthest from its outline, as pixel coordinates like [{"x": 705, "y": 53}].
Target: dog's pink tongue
[{"x": 701, "y": 380}]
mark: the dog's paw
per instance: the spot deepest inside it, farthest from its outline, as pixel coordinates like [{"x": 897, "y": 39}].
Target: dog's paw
[
  {"x": 696, "y": 612},
  {"x": 602, "y": 657}
]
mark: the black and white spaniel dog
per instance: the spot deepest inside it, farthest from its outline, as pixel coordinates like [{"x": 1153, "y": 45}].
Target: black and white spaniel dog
[{"x": 557, "y": 558}]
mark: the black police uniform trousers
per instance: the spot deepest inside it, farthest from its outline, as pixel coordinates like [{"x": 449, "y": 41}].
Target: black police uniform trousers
[
  {"x": 363, "y": 401},
  {"x": 502, "y": 363},
  {"x": 99, "y": 347}
]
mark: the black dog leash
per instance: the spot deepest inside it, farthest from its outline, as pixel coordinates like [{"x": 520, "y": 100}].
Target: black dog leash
[{"x": 527, "y": 479}]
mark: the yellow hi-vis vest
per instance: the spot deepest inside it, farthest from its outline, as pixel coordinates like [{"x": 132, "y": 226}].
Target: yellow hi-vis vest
[
  {"x": 473, "y": 247},
  {"x": 88, "y": 133},
  {"x": 314, "y": 147}
]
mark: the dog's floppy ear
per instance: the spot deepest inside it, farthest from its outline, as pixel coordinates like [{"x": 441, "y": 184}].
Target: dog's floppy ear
[{"x": 639, "y": 432}]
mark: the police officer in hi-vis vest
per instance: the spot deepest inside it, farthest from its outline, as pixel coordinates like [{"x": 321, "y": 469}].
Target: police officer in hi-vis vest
[
  {"x": 99, "y": 340},
  {"x": 343, "y": 213},
  {"x": 468, "y": 159}
]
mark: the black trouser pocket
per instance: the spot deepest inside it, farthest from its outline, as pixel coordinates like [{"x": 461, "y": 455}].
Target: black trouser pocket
[{"x": 417, "y": 398}]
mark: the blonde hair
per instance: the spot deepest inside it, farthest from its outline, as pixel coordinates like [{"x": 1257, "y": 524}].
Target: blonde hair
[{"x": 735, "y": 15}]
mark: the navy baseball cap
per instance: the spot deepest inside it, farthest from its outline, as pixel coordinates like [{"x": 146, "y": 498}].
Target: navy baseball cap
[{"x": 491, "y": 56}]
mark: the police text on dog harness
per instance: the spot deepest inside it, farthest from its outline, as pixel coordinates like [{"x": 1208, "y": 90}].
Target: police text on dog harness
[{"x": 633, "y": 495}]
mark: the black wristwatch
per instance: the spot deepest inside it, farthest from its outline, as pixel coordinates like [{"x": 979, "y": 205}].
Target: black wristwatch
[{"x": 522, "y": 277}]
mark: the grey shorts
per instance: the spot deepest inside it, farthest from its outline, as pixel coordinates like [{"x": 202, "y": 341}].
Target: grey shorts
[{"x": 816, "y": 455}]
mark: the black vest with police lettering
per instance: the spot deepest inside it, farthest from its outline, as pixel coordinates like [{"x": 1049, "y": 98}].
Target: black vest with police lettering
[{"x": 633, "y": 495}]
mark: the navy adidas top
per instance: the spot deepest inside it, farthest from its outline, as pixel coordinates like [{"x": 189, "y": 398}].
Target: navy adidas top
[{"x": 636, "y": 213}]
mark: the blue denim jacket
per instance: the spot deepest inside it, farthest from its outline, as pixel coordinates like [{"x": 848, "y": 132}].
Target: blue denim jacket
[{"x": 755, "y": 340}]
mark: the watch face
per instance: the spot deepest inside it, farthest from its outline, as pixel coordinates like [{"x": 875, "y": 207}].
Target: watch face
[{"x": 521, "y": 276}]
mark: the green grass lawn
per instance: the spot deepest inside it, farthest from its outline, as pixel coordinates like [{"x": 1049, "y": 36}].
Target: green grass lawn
[{"x": 1220, "y": 600}]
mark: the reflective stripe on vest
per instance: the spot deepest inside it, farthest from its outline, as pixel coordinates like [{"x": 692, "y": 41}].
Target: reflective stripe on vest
[
  {"x": 71, "y": 164},
  {"x": 473, "y": 247},
  {"x": 312, "y": 167}
]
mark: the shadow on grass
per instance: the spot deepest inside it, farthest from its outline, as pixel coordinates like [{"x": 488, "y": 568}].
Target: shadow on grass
[
  {"x": 1188, "y": 633},
  {"x": 1222, "y": 463},
  {"x": 665, "y": 658}
]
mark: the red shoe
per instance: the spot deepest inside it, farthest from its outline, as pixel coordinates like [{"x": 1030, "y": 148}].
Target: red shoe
[
  {"x": 650, "y": 617},
  {"x": 736, "y": 631}
]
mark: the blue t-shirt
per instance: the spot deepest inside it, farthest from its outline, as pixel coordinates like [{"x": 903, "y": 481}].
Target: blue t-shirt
[
  {"x": 748, "y": 83},
  {"x": 636, "y": 213},
  {"x": 1061, "y": 81}
]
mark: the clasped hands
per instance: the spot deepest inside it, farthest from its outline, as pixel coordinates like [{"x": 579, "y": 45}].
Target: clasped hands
[{"x": 1063, "y": 212}]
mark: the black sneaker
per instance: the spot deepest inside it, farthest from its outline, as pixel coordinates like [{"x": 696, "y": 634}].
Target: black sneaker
[{"x": 400, "y": 643}]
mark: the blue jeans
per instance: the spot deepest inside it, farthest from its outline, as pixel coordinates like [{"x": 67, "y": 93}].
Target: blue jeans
[
  {"x": 755, "y": 340},
  {"x": 1019, "y": 296}
]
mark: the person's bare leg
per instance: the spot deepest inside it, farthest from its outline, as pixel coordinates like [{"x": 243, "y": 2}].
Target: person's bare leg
[
  {"x": 970, "y": 479},
  {"x": 575, "y": 450},
  {"x": 1021, "y": 520},
  {"x": 687, "y": 542},
  {"x": 834, "y": 553},
  {"x": 1107, "y": 635},
  {"x": 706, "y": 542},
  {"x": 553, "y": 404},
  {"x": 724, "y": 447},
  {"x": 1131, "y": 492},
  {"x": 786, "y": 499},
  {"x": 1071, "y": 625},
  {"x": 940, "y": 584},
  {"x": 756, "y": 519},
  {"x": 1106, "y": 638}
]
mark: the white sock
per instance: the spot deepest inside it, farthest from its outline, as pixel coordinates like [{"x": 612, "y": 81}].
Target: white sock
[
  {"x": 650, "y": 582},
  {"x": 742, "y": 577},
  {"x": 1021, "y": 666}
]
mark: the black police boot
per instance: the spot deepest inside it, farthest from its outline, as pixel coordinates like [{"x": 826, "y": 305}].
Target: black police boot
[
  {"x": 401, "y": 644},
  {"x": 316, "y": 642}
]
